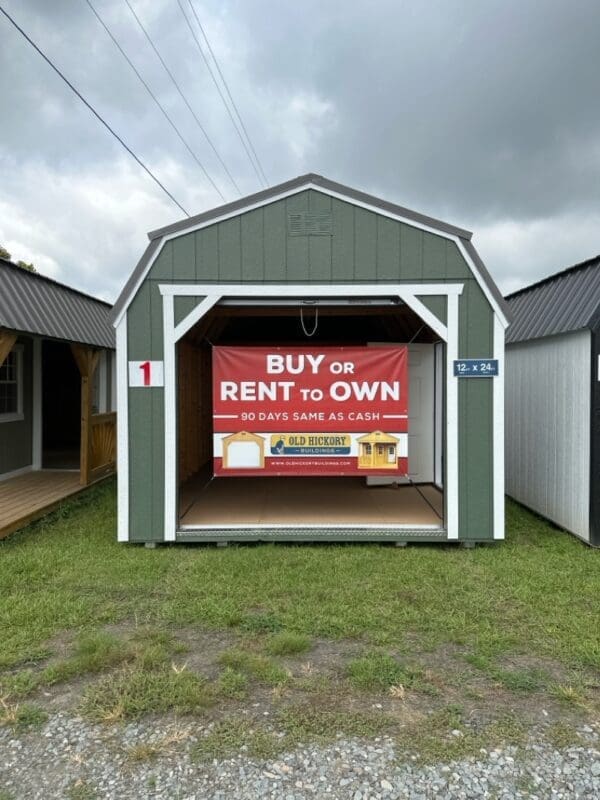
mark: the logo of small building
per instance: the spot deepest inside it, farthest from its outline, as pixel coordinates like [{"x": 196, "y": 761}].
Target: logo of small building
[
  {"x": 243, "y": 450},
  {"x": 378, "y": 450}
]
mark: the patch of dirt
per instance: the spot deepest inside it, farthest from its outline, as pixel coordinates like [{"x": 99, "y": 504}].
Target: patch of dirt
[
  {"x": 319, "y": 679},
  {"x": 204, "y": 648}
]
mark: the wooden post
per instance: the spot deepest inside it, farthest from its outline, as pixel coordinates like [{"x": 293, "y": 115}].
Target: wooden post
[
  {"x": 87, "y": 361},
  {"x": 7, "y": 341}
]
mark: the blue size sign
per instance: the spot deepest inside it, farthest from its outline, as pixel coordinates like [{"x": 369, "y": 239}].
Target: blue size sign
[{"x": 476, "y": 367}]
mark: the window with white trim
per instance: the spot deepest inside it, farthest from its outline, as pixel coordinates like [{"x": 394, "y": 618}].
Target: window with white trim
[{"x": 11, "y": 386}]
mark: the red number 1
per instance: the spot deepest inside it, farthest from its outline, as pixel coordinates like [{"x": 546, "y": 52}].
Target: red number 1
[{"x": 145, "y": 367}]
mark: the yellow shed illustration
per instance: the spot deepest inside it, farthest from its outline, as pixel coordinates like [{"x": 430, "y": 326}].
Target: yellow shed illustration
[
  {"x": 378, "y": 450},
  {"x": 243, "y": 450}
]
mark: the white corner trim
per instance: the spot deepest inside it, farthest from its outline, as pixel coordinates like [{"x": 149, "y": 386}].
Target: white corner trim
[
  {"x": 498, "y": 435},
  {"x": 170, "y": 400},
  {"x": 451, "y": 478},
  {"x": 282, "y": 196},
  {"x": 37, "y": 421},
  {"x": 122, "y": 433}
]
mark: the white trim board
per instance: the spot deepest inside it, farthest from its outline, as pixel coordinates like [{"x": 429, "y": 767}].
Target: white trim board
[
  {"x": 212, "y": 294},
  {"x": 331, "y": 193},
  {"x": 498, "y": 434},
  {"x": 122, "y": 434}
]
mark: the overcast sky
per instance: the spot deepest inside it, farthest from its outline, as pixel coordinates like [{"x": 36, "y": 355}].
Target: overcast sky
[{"x": 483, "y": 113}]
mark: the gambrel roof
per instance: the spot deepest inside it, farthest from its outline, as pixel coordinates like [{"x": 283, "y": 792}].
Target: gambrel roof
[{"x": 331, "y": 188}]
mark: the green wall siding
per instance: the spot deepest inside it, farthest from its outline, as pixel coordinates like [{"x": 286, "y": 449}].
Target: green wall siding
[
  {"x": 16, "y": 437},
  {"x": 364, "y": 247}
]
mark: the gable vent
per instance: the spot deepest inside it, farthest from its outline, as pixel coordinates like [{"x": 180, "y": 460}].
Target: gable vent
[{"x": 307, "y": 223}]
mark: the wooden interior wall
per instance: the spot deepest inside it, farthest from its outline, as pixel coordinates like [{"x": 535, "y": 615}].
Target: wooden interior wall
[{"x": 195, "y": 408}]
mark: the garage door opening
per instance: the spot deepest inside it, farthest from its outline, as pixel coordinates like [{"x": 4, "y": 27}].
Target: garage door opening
[{"x": 413, "y": 502}]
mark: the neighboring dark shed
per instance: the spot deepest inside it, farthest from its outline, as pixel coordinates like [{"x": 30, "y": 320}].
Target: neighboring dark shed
[
  {"x": 57, "y": 392},
  {"x": 33, "y": 303},
  {"x": 553, "y": 398}
]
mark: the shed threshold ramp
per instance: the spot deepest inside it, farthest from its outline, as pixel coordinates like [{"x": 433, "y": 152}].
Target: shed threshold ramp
[{"x": 331, "y": 503}]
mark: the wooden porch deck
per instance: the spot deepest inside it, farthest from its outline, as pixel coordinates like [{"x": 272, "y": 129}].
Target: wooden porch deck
[{"x": 30, "y": 496}]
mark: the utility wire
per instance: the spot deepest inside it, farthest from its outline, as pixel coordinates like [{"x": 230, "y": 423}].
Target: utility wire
[
  {"x": 181, "y": 94},
  {"x": 220, "y": 91},
  {"x": 239, "y": 116},
  {"x": 93, "y": 110},
  {"x": 156, "y": 100}
]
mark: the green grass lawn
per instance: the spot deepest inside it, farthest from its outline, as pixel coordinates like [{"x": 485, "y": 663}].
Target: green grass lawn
[
  {"x": 320, "y": 625},
  {"x": 539, "y": 592}
]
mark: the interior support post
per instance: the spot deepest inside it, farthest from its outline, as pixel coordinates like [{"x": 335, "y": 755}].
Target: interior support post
[{"x": 86, "y": 359}]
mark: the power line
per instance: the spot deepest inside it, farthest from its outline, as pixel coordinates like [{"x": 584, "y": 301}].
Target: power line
[
  {"x": 181, "y": 94},
  {"x": 156, "y": 100},
  {"x": 220, "y": 91},
  {"x": 239, "y": 116},
  {"x": 93, "y": 110}
]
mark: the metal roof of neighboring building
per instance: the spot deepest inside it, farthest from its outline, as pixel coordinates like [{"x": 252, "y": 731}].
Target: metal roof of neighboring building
[
  {"x": 566, "y": 301},
  {"x": 32, "y": 303},
  {"x": 301, "y": 182}
]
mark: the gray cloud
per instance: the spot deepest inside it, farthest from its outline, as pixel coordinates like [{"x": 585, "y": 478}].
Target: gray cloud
[{"x": 481, "y": 113}]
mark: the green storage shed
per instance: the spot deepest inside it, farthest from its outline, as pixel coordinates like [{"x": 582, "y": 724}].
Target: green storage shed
[{"x": 310, "y": 263}]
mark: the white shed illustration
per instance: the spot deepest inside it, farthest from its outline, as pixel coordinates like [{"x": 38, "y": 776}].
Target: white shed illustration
[{"x": 243, "y": 450}]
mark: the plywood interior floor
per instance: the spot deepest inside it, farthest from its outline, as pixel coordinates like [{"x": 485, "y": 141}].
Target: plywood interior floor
[{"x": 306, "y": 501}]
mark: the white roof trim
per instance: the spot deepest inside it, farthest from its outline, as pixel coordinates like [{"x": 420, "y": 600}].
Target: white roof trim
[{"x": 340, "y": 196}]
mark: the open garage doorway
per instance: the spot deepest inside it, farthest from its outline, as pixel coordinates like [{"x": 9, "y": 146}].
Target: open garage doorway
[{"x": 413, "y": 503}]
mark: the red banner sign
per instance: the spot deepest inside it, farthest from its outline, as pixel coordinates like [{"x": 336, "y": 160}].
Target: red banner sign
[{"x": 310, "y": 411}]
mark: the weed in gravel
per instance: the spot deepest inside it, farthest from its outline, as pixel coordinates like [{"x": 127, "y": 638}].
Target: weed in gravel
[
  {"x": 443, "y": 736},
  {"x": 322, "y": 722},
  {"x": 148, "y": 751},
  {"x": 562, "y": 735},
  {"x": 287, "y": 643},
  {"x": 375, "y": 671},
  {"x": 143, "y": 752},
  {"x": 232, "y": 684},
  {"x": 136, "y": 691},
  {"x": 4, "y": 795},
  {"x": 297, "y": 724},
  {"x": 22, "y": 716},
  {"x": 80, "y": 790},
  {"x": 254, "y": 665},
  {"x": 230, "y": 736}
]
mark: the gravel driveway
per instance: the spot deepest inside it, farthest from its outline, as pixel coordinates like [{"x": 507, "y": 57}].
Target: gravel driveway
[{"x": 72, "y": 759}]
